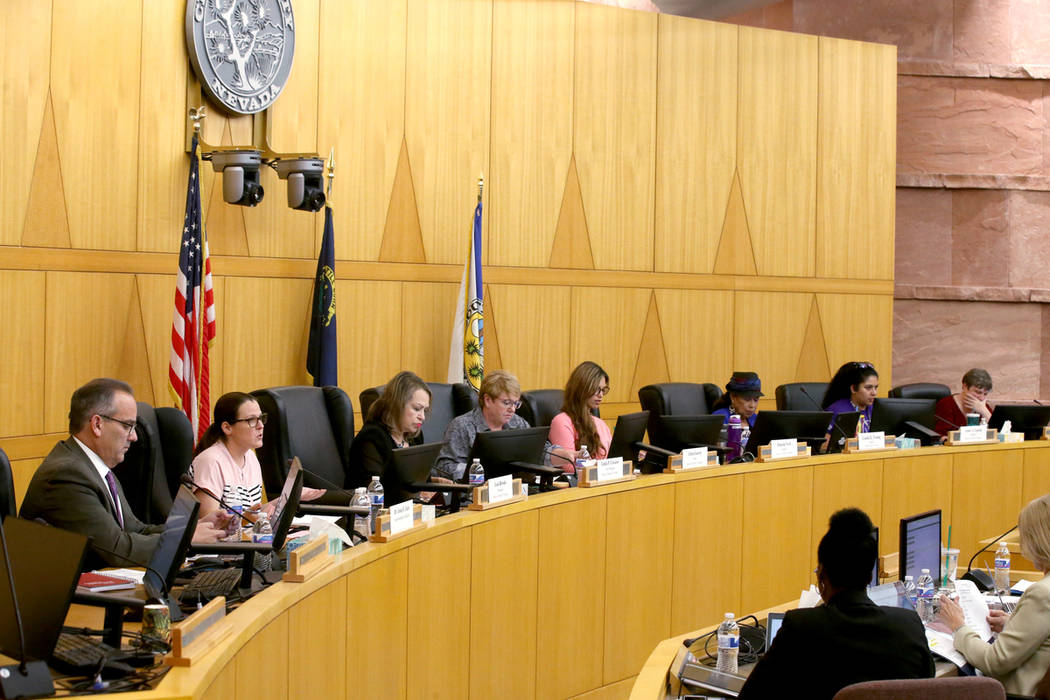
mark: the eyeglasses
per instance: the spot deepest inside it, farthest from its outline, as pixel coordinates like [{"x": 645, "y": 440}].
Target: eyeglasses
[
  {"x": 511, "y": 404},
  {"x": 602, "y": 391},
  {"x": 129, "y": 425},
  {"x": 253, "y": 421}
]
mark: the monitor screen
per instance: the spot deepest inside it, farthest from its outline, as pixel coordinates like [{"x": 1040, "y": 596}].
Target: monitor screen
[
  {"x": 677, "y": 433},
  {"x": 890, "y": 415},
  {"x": 409, "y": 465},
  {"x": 805, "y": 426},
  {"x": 497, "y": 449},
  {"x": 287, "y": 503},
  {"x": 172, "y": 545},
  {"x": 630, "y": 428},
  {"x": 1028, "y": 418},
  {"x": 920, "y": 545},
  {"x": 45, "y": 563}
]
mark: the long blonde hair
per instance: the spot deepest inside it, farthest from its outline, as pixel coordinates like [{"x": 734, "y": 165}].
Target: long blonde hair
[
  {"x": 583, "y": 384},
  {"x": 1034, "y": 524}
]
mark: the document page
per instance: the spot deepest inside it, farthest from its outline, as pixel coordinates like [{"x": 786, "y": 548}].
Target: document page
[
  {"x": 974, "y": 607},
  {"x": 942, "y": 645}
]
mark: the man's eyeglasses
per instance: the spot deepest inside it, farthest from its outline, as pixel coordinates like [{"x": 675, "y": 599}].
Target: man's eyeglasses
[
  {"x": 511, "y": 404},
  {"x": 602, "y": 391},
  {"x": 129, "y": 425},
  {"x": 253, "y": 421}
]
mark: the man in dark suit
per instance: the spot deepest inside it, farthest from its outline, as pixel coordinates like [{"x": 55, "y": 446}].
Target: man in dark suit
[
  {"x": 75, "y": 489},
  {"x": 818, "y": 651}
]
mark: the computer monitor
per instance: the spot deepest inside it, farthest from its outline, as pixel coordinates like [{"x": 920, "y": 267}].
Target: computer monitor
[
  {"x": 909, "y": 417},
  {"x": 1028, "y": 418},
  {"x": 920, "y": 545},
  {"x": 172, "y": 546},
  {"x": 676, "y": 433},
  {"x": 842, "y": 428},
  {"x": 630, "y": 429},
  {"x": 805, "y": 426},
  {"x": 410, "y": 465},
  {"x": 45, "y": 563},
  {"x": 287, "y": 503},
  {"x": 503, "y": 451}
]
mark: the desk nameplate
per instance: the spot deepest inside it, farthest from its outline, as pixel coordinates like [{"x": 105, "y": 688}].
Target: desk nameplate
[
  {"x": 991, "y": 437},
  {"x": 765, "y": 453},
  {"x": 481, "y": 497},
  {"x": 589, "y": 476},
  {"x": 889, "y": 442},
  {"x": 676, "y": 463},
  {"x": 196, "y": 635},
  {"x": 383, "y": 533},
  {"x": 307, "y": 560}
]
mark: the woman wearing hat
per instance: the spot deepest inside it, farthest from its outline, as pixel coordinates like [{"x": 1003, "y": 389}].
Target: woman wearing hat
[{"x": 741, "y": 398}]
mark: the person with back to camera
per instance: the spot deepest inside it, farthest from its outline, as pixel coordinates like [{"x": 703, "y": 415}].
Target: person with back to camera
[
  {"x": 394, "y": 420},
  {"x": 224, "y": 461},
  {"x": 848, "y": 639},
  {"x": 576, "y": 425},
  {"x": 853, "y": 388},
  {"x": 1020, "y": 655},
  {"x": 951, "y": 410}
]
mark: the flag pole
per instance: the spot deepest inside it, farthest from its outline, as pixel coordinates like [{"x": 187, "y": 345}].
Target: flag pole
[
  {"x": 481, "y": 185},
  {"x": 331, "y": 174}
]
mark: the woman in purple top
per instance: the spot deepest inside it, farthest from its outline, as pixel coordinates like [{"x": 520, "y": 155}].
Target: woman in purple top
[
  {"x": 853, "y": 388},
  {"x": 741, "y": 397}
]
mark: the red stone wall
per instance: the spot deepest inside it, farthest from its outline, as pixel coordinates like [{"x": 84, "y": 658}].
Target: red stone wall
[{"x": 973, "y": 180}]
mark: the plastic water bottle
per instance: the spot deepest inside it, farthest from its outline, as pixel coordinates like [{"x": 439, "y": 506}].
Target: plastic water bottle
[
  {"x": 1002, "y": 569},
  {"x": 924, "y": 602},
  {"x": 477, "y": 473},
  {"x": 362, "y": 523},
  {"x": 734, "y": 434},
  {"x": 581, "y": 459},
  {"x": 375, "y": 500},
  {"x": 728, "y": 644},
  {"x": 262, "y": 532},
  {"x": 910, "y": 591}
]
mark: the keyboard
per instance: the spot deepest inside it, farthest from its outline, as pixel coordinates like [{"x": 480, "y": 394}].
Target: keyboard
[
  {"x": 78, "y": 653},
  {"x": 210, "y": 584}
]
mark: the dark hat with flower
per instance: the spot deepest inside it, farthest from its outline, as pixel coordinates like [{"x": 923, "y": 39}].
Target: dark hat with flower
[{"x": 745, "y": 383}]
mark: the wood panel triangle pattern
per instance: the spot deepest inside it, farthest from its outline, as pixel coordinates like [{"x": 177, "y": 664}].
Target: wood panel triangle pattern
[
  {"x": 736, "y": 253},
  {"x": 572, "y": 240},
  {"x": 134, "y": 365},
  {"x": 46, "y": 221},
  {"x": 812, "y": 363},
  {"x": 651, "y": 365},
  {"x": 402, "y": 235}
]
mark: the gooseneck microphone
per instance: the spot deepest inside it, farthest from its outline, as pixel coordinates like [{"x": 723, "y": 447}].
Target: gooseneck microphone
[
  {"x": 185, "y": 478},
  {"x": 981, "y": 578},
  {"x": 816, "y": 403}
]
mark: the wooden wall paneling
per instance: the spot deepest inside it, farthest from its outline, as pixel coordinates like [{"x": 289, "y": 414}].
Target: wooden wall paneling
[
  {"x": 859, "y": 328},
  {"x": 695, "y": 140},
  {"x": 361, "y": 112},
  {"x": 22, "y": 471},
  {"x": 615, "y": 132},
  {"x": 439, "y": 610},
  {"x": 708, "y": 522},
  {"x": 532, "y": 108},
  {"x": 22, "y": 371},
  {"x": 275, "y": 229},
  {"x": 156, "y": 295},
  {"x": 377, "y": 628},
  {"x": 1036, "y": 480},
  {"x": 606, "y": 327},
  {"x": 769, "y": 328},
  {"x": 265, "y": 332},
  {"x": 846, "y": 485},
  {"x": 370, "y": 341},
  {"x": 262, "y": 664},
  {"x": 697, "y": 333},
  {"x": 912, "y": 485},
  {"x": 98, "y": 128},
  {"x": 777, "y": 147},
  {"x": 503, "y": 585},
  {"x": 224, "y": 686},
  {"x": 447, "y": 101},
  {"x": 638, "y": 566},
  {"x": 427, "y": 311},
  {"x": 25, "y": 38},
  {"x": 316, "y": 650},
  {"x": 534, "y": 333},
  {"x": 572, "y": 580},
  {"x": 777, "y": 555},
  {"x": 983, "y": 507},
  {"x": 225, "y": 222},
  {"x": 856, "y": 167},
  {"x": 163, "y": 165},
  {"x": 85, "y": 328}
]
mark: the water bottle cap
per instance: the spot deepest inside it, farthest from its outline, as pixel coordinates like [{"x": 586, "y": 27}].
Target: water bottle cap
[
  {"x": 476, "y": 461},
  {"x": 375, "y": 478},
  {"x": 729, "y": 616},
  {"x": 925, "y": 571},
  {"x": 909, "y": 578}
]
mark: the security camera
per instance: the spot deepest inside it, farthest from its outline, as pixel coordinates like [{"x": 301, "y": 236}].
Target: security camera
[
  {"x": 305, "y": 178},
  {"x": 240, "y": 176}
]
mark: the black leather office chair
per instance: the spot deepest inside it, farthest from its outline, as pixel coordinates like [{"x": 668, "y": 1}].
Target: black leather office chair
[
  {"x": 791, "y": 397},
  {"x": 539, "y": 406},
  {"x": 155, "y": 462},
  {"x": 446, "y": 402},
  {"x": 7, "y": 487},
  {"x": 315, "y": 424},
  {"x": 676, "y": 399},
  {"x": 920, "y": 390}
]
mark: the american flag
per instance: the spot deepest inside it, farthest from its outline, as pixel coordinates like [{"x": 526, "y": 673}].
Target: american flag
[{"x": 193, "y": 327}]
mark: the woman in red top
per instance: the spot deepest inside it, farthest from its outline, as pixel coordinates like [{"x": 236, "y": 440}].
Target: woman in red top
[{"x": 951, "y": 410}]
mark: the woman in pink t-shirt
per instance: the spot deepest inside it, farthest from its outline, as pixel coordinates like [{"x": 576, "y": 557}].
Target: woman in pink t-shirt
[
  {"x": 224, "y": 462},
  {"x": 576, "y": 425}
]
